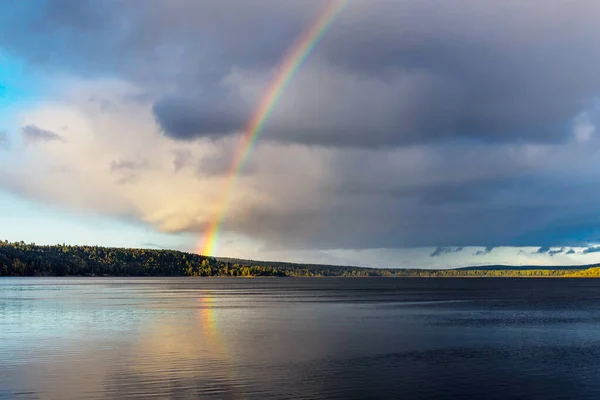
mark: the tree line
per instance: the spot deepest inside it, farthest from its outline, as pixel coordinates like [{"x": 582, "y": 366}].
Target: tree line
[{"x": 22, "y": 259}]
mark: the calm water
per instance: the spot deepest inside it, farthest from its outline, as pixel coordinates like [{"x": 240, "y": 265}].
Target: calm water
[{"x": 101, "y": 338}]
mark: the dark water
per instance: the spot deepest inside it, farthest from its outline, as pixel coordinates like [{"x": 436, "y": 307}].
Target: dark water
[{"x": 96, "y": 338}]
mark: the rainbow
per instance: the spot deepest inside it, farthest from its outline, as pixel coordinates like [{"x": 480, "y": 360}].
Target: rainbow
[{"x": 286, "y": 71}]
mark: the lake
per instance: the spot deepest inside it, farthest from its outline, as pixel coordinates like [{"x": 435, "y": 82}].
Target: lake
[{"x": 336, "y": 338}]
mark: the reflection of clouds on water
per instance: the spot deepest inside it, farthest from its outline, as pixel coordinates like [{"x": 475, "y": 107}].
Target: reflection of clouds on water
[
  {"x": 183, "y": 354},
  {"x": 177, "y": 350},
  {"x": 216, "y": 341}
]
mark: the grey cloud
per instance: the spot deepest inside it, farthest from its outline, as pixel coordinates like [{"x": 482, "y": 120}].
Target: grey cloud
[
  {"x": 184, "y": 118},
  {"x": 570, "y": 251},
  {"x": 152, "y": 245},
  {"x": 589, "y": 250},
  {"x": 218, "y": 161},
  {"x": 439, "y": 251},
  {"x": 543, "y": 250},
  {"x": 552, "y": 253},
  {"x": 485, "y": 251},
  {"x": 32, "y": 133},
  {"x": 221, "y": 165},
  {"x": 215, "y": 164}
]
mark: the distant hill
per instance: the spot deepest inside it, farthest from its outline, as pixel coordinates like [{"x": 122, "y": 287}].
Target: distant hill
[
  {"x": 286, "y": 264},
  {"x": 498, "y": 267},
  {"x": 524, "y": 267}
]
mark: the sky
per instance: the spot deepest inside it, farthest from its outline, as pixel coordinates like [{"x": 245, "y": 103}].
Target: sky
[{"x": 416, "y": 134}]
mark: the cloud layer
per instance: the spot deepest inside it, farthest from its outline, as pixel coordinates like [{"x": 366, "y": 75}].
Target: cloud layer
[{"x": 443, "y": 124}]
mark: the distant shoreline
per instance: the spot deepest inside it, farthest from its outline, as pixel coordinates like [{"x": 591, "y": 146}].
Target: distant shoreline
[
  {"x": 300, "y": 277},
  {"x": 22, "y": 259}
]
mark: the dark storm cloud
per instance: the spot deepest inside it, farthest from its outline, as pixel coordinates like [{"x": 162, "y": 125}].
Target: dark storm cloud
[
  {"x": 514, "y": 212},
  {"x": 32, "y": 133},
  {"x": 185, "y": 118},
  {"x": 388, "y": 85},
  {"x": 439, "y": 251},
  {"x": 387, "y": 73}
]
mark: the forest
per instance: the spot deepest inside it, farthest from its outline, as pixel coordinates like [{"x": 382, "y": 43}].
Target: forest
[{"x": 22, "y": 259}]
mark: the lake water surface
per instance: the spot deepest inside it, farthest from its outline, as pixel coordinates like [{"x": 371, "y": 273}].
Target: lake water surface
[{"x": 180, "y": 338}]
